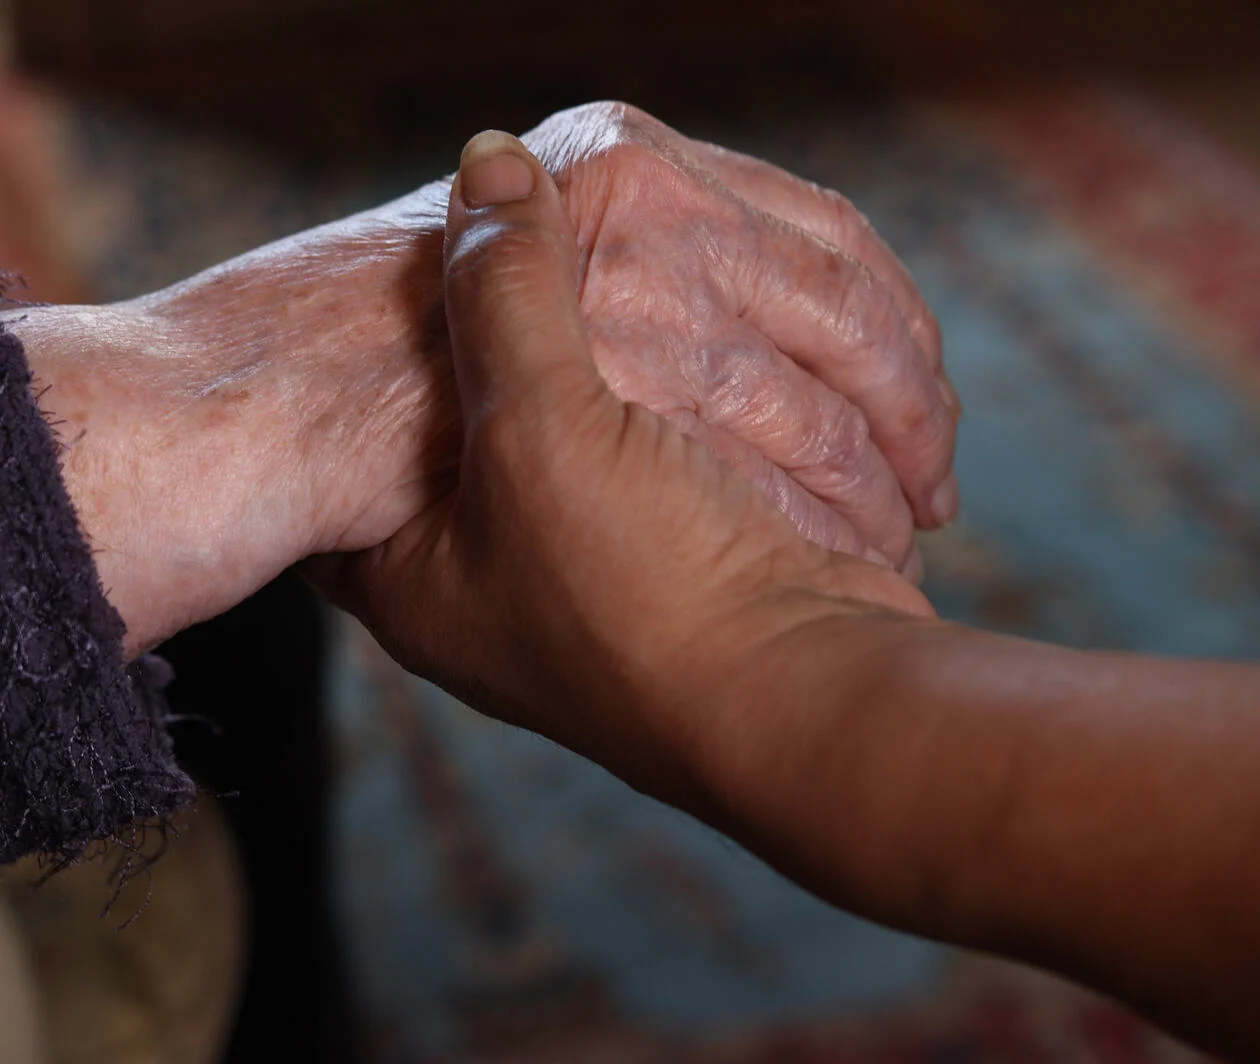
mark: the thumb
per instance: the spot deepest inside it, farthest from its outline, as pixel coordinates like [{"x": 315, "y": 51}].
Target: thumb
[{"x": 511, "y": 281}]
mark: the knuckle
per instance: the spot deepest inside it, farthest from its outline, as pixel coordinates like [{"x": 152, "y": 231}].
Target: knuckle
[
  {"x": 732, "y": 382},
  {"x": 633, "y": 124},
  {"x": 842, "y": 208},
  {"x": 866, "y": 312},
  {"x": 852, "y": 230},
  {"x": 609, "y": 114},
  {"x": 930, "y": 431},
  {"x": 641, "y": 165},
  {"x": 824, "y": 432},
  {"x": 842, "y": 443},
  {"x": 589, "y": 132},
  {"x": 927, "y": 330},
  {"x": 848, "y": 228}
]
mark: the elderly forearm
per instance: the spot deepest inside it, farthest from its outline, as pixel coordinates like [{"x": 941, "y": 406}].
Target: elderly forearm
[
  {"x": 1096, "y": 814},
  {"x": 218, "y": 431}
]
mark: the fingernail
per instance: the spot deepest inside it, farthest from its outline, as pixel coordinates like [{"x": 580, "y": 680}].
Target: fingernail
[
  {"x": 872, "y": 555},
  {"x": 945, "y": 500},
  {"x": 912, "y": 570},
  {"x": 491, "y": 170}
]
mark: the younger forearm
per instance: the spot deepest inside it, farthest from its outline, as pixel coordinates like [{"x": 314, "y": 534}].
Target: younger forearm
[{"x": 1093, "y": 813}]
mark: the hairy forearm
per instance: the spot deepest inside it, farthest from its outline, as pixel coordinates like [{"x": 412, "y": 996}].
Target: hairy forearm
[
  {"x": 276, "y": 406},
  {"x": 1096, "y": 814}
]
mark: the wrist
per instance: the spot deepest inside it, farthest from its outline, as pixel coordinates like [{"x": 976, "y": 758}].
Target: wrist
[
  {"x": 335, "y": 340},
  {"x": 808, "y": 761},
  {"x": 154, "y": 469},
  {"x": 871, "y": 758},
  {"x": 220, "y": 430}
]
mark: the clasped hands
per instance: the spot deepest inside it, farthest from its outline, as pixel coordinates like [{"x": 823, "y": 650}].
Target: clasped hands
[
  {"x": 624, "y": 441},
  {"x": 594, "y": 573},
  {"x": 300, "y": 400}
]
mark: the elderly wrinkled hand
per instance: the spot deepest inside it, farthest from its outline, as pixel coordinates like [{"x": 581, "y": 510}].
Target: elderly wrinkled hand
[
  {"x": 592, "y": 565},
  {"x": 764, "y": 316}
]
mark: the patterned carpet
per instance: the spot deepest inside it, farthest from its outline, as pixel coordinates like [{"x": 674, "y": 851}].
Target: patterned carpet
[{"x": 1093, "y": 261}]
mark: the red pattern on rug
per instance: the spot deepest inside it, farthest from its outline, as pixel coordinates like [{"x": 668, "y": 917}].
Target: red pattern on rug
[{"x": 1179, "y": 213}]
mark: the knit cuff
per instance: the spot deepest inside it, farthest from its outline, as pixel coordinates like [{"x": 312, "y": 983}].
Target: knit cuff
[{"x": 84, "y": 752}]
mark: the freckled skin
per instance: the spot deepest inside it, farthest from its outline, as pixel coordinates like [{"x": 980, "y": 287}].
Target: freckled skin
[{"x": 299, "y": 399}]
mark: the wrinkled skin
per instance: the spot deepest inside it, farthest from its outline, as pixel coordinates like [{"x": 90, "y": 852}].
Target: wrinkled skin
[
  {"x": 763, "y": 315},
  {"x": 299, "y": 400}
]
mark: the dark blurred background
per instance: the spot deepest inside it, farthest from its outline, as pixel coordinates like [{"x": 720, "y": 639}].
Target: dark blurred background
[{"x": 385, "y": 877}]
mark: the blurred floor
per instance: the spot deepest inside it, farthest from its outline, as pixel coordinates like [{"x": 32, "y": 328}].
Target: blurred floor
[
  {"x": 158, "y": 991},
  {"x": 1092, "y": 248}
]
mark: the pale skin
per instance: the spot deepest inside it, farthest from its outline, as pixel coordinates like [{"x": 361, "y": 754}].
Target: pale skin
[
  {"x": 298, "y": 400},
  {"x": 600, "y": 578}
]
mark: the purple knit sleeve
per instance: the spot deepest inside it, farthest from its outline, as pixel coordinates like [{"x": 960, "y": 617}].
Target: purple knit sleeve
[{"x": 84, "y": 753}]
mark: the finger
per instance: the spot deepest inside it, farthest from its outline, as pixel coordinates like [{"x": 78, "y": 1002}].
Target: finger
[
  {"x": 832, "y": 218},
  {"x": 754, "y": 393},
  {"x": 511, "y": 284},
  {"x": 814, "y": 519},
  {"x": 829, "y": 313}
]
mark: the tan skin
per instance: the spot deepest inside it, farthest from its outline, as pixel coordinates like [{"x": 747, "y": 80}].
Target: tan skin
[
  {"x": 299, "y": 399},
  {"x": 600, "y": 578}
]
